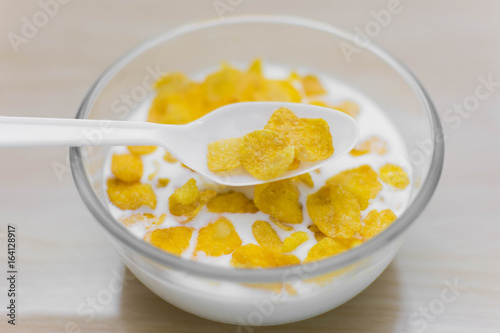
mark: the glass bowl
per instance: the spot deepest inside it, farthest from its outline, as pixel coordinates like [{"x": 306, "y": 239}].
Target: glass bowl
[{"x": 262, "y": 296}]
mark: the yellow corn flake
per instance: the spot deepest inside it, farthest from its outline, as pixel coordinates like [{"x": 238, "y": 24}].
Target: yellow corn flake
[
  {"x": 334, "y": 211},
  {"x": 313, "y": 228},
  {"x": 231, "y": 202},
  {"x": 141, "y": 150},
  {"x": 265, "y": 235},
  {"x": 304, "y": 178},
  {"x": 171, "y": 83},
  {"x": 319, "y": 103},
  {"x": 169, "y": 158},
  {"x": 186, "y": 213},
  {"x": 373, "y": 144},
  {"x": 256, "y": 67},
  {"x": 163, "y": 182},
  {"x": 280, "y": 224},
  {"x": 313, "y": 140},
  {"x": 266, "y": 154},
  {"x": 130, "y": 195},
  {"x": 279, "y": 199},
  {"x": 375, "y": 222},
  {"x": 174, "y": 240},
  {"x": 394, "y": 175},
  {"x": 318, "y": 235},
  {"x": 348, "y": 107},
  {"x": 283, "y": 121},
  {"x": 218, "y": 238},
  {"x": 226, "y": 86},
  {"x": 178, "y": 100},
  {"x": 349, "y": 243},
  {"x": 294, "y": 76},
  {"x": 312, "y": 85},
  {"x": 361, "y": 182},
  {"x": 223, "y": 155},
  {"x": 294, "y": 165},
  {"x": 152, "y": 175},
  {"x": 310, "y": 137},
  {"x": 186, "y": 194},
  {"x": 146, "y": 219},
  {"x": 325, "y": 248},
  {"x": 187, "y": 201},
  {"x": 127, "y": 167},
  {"x": 275, "y": 91},
  {"x": 254, "y": 256},
  {"x": 294, "y": 240}
]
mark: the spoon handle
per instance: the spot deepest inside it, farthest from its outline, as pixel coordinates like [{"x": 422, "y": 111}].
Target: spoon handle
[{"x": 54, "y": 132}]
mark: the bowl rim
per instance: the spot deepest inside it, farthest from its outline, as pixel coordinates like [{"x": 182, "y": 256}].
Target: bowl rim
[{"x": 405, "y": 220}]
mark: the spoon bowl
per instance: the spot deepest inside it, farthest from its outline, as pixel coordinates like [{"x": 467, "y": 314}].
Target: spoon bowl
[
  {"x": 236, "y": 120},
  {"x": 187, "y": 143}
]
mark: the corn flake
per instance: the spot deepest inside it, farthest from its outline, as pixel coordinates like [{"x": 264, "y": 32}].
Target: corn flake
[
  {"x": 163, "y": 182},
  {"x": 141, "y": 150},
  {"x": 130, "y": 195},
  {"x": 253, "y": 256},
  {"x": 127, "y": 167},
  {"x": 231, "y": 202},
  {"x": 325, "y": 248},
  {"x": 373, "y": 144},
  {"x": 187, "y": 201},
  {"x": 279, "y": 199},
  {"x": 294, "y": 240},
  {"x": 310, "y": 137},
  {"x": 174, "y": 240},
  {"x": 146, "y": 219},
  {"x": 294, "y": 165},
  {"x": 256, "y": 67},
  {"x": 304, "y": 178},
  {"x": 334, "y": 211},
  {"x": 375, "y": 222},
  {"x": 178, "y": 100},
  {"x": 169, "y": 158},
  {"x": 348, "y": 107},
  {"x": 394, "y": 175},
  {"x": 226, "y": 86},
  {"x": 187, "y": 193},
  {"x": 318, "y": 235},
  {"x": 266, "y": 154},
  {"x": 280, "y": 224},
  {"x": 313, "y": 140},
  {"x": 265, "y": 235},
  {"x": 312, "y": 86},
  {"x": 361, "y": 182},
  {"x": 218, "y": 238},
  {"x": 223, "y": 155},
  {"x": 275, "y": 91}
]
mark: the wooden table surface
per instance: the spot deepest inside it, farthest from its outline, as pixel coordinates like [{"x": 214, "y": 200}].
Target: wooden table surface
[{"x": 65, "y": 260}]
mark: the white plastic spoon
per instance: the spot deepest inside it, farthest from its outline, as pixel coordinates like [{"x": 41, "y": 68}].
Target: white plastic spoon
[{"x": 188, "y": 143}]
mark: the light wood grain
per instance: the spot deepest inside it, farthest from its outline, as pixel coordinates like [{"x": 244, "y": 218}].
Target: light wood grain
[{"x": 65, "y": 260}]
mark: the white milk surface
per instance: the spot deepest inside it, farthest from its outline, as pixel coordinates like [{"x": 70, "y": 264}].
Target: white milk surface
[{"x": 371, "y": 121}]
